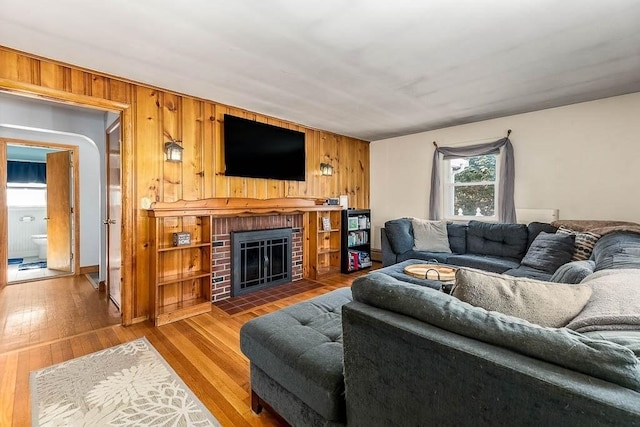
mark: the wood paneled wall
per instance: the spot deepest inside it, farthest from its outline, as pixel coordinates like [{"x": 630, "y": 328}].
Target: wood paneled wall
[{"x": 150, "y": 117}]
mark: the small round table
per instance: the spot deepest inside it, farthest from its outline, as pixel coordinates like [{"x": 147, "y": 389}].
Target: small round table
[{"x": 436, "y": 272}]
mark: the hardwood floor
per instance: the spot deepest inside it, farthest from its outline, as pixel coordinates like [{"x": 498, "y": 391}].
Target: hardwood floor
[
  {"x": 37, "y": 312},
  {"x": 204, "y": 350}
]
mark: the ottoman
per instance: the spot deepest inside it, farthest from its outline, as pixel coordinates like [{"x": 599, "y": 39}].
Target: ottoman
[{"x": 296, "y": 360}]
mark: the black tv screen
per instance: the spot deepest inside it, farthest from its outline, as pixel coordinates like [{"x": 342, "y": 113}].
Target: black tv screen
[{"x": 259, "y": 150}]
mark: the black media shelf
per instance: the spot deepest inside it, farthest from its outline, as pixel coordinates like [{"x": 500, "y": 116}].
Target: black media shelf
[{"x": 356, "y": 240}]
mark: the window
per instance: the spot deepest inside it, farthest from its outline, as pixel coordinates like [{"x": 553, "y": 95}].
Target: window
[
  {"x": 23, "y": 195},
  {"x": 471, "y": 187}
]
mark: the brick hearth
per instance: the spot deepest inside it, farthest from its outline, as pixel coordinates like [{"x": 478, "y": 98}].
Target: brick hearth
[{"x": 222, "y": 228}]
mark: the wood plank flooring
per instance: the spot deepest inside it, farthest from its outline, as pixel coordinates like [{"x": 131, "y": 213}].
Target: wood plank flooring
[
  {"x": 41, "y": 311},
  {"x": 204, "y": 350}
]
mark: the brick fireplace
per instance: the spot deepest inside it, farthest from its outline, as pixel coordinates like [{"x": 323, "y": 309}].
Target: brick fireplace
[{"x": 222, "y": 228}]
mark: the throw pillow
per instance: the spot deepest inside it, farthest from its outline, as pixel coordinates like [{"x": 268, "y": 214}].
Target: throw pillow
[
  {"x": 585, "y": 241},
  {"x": 430, "y": 236},
  {"x": 543, "y": 303},
  {"x": 549, "y": 251}
]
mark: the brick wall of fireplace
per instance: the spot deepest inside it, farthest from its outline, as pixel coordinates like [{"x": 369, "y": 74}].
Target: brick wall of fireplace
[{"x": 222, "y": 228}]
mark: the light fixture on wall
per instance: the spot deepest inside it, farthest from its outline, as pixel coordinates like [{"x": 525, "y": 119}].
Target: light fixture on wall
[
  {"x": 326, "y": 169},
  {"x": 173, "y": 151}
]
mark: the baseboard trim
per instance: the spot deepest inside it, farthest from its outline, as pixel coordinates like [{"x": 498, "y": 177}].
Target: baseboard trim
[{"x": 88, "y": 269}]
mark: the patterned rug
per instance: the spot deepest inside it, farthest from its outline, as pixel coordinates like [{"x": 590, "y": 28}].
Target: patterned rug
[
  {"x": 129, "y": 384},
  {"x": 32, "y": 265}
]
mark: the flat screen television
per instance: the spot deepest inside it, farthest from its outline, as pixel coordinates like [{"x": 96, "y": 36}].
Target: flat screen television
[{"x": 259, "y": 150}]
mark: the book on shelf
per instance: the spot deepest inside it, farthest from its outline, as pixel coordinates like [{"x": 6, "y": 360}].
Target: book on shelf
[
  {"x": 358, "y": 260},
  {"x": 358, "y": 238}
]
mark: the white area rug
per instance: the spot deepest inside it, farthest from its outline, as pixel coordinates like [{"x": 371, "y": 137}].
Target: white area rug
[{"x": 129, "y": 384}]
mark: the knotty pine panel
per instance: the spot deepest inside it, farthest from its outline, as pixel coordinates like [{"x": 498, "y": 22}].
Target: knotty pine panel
[
  {"x": 169, "y": 119},
  {"x": 149, "y": 112},
  {"x": 192, "y": 112}
]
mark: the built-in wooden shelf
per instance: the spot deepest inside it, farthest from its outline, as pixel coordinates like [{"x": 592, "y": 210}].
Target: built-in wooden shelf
[
  {"x": 324, "y": 244},
  {"x": 183, "y": 247},
  {"x": 182, "y": 277},
  {"x": 177, "y": 311},
  {"x": 187, "y": 293}
]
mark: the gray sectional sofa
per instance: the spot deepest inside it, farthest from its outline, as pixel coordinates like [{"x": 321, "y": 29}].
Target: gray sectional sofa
[
  {"x": 387, "y": 352},
  {"x": 498, "y": 248}
]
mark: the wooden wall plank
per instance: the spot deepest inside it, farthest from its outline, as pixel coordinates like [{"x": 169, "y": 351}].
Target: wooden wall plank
[
  {"x": 192, "y": 118},
  {"x": 171, "y": 130},
  {"x": 209, "y": 150},
  {"x": 51, "y": 75},
  {"x": 99, "y": 86},
  {"x": 149, "y": 159},
  {"x": 9, "y": 69}
]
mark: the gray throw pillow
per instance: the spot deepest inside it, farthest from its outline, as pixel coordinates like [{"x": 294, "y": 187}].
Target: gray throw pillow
[
  {"x": 549, "y": 251},
  {"x": 543, "y": 303},
  {"x": 430, "y": 236}
]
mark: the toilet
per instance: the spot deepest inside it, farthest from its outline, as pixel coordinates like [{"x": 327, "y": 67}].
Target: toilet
[{"x": 41, "y": 241}]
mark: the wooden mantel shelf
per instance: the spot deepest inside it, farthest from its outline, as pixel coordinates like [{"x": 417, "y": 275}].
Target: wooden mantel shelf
[{"x": 237, "y": 206}]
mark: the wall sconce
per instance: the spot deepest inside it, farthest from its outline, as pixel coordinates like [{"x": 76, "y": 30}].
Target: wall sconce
[
  {"x": 326, "y": 169},
  {"x": 173, "y": 151}
]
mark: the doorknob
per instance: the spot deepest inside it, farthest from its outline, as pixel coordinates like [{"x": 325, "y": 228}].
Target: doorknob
[
  {"x": 46, "y": 218},
  {"x": 109, "y": 221}
]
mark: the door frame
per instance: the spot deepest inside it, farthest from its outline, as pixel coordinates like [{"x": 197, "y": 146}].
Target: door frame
[
  {"x": 4, "y": 250},
  {"x": 127, "y": 168}
]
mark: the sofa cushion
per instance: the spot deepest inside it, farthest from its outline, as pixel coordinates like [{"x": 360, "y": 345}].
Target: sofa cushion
[
  {"x": 549, "y": 251},
  {"x": 564, "y": 347},
  {"x": 430, "y": 236},
  {"x": 300, "y": 347},
  {"x": 530, "y": 272},
  {"x": 457, "y": 237},
  {"x": 573, "y": 272},
  {"x": 535, "y": 228},
  {"x": 483, "y": 262},
  {"x": 441, "y": 257},
  {"x": 614, "y": 304},
  {"x": 400, "y": 234},
  {"x": 542, "y": 303},
  {"x": 617, "y": 250},
  {"x": 501, "y": 240},
  {"x": 585, "y": 241}
]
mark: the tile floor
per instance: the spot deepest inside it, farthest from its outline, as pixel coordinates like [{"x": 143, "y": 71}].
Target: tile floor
[
  {"x": 15, "y": 275},
  {"x": 239, "y": 304}
]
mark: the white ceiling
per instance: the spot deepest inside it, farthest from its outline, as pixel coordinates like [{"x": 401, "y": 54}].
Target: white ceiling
[{"x": 366, "y": 68}]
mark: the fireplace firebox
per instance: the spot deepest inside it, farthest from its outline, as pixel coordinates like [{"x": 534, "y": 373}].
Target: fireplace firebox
[{"x": 260, "y": 259}]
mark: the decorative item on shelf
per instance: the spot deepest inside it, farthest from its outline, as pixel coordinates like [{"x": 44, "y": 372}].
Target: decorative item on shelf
[
  {"x": 181, "y": 239},
  {"x": 344, "y": 201},
  {"x": 352, "y": 223},
  {"x": 333, "y": 201},
  {"x": 173, "y": 152},
  {"x": 326, "y": 223},
  {"x": 326, "y": 169}
]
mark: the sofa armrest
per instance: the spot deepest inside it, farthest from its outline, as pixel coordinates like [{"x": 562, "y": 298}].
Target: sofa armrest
[
  {"x": 400, "y": 368},
  {"x": 388, "y": 256}
]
